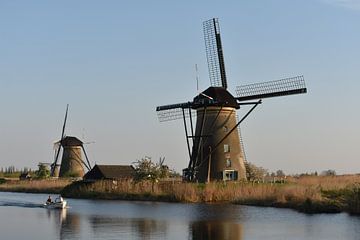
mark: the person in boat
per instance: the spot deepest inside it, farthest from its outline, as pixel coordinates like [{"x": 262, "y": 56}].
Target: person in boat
[
  {"x": 59, "y": 199},
  {"x": 48, "y": 201}
]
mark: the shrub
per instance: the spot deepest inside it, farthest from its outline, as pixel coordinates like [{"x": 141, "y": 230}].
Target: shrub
[{"x": 43, "y": 172}]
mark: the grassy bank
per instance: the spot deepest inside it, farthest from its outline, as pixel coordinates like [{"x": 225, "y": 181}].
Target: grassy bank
[
  {"x": 311, "y": 194},
  {"x": 34, "y": 186},
  {"x": 307, "y": 194}
]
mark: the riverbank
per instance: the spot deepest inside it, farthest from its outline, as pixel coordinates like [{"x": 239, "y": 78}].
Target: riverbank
[
  {"x": 310, "y": 194},
  {"x": 35, "y": 186},
  {"x": 307, "y": 194}
]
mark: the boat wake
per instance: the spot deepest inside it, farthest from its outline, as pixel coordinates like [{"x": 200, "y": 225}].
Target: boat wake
[{"x": 20, "y": 204}]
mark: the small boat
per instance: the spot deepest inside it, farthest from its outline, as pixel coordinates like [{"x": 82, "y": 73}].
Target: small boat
[{"x": 58, "y": 204}]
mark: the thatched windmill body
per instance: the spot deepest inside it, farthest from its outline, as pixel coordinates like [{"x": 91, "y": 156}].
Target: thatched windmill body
[
  {"x": 215, "y": 149},
  {"x": 72, "y": 163}
]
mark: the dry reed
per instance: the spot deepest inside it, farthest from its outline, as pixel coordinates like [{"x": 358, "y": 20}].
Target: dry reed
[
  {"x": 35, "y": 186},
  {"x": 305, "y": 193},
  {"x": 309, "y": 193}
]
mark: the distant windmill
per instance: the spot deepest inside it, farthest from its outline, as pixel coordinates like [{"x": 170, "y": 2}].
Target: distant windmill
[
  {"x": 72, "y": 163},
  {"x": 214, "y": 148}
]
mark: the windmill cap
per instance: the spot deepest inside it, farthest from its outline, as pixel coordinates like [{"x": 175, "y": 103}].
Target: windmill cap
[
  {"x": 71, "y": 141},
  {"x": 215, "y": 96}
]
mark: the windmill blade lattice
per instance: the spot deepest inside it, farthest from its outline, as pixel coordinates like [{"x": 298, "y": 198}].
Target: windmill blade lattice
[
  {"x": 53, "y": 165},
  {"x": 174, "y": 114},
  {"x": 241, "y": 139},
  {"x": 282, "y": 87},
  {"x": 214, "y": 53}
]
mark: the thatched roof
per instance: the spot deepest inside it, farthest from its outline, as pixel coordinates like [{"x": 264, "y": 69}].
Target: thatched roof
[{"x": 110, "y": 172}]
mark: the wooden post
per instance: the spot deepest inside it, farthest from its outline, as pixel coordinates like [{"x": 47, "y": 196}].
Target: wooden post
[{"x": 209, "y": 166}]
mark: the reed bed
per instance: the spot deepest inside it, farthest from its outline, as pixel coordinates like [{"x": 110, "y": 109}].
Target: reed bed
[
  {"x": 326, "y": 182},
  {"x": 35, "y": 186},
  {"x": 310, "y": 194},
  {"x": 307, "y": 194}
]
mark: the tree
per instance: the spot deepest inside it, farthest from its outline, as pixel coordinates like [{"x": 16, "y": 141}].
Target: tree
[
  {"x": 329, "y": 172},
  {"x": 280, "y": 173},
  {"x": 255, "y": 173},
  {"x": 43, "y": 172},
  {"x": 146, "y": 169}
]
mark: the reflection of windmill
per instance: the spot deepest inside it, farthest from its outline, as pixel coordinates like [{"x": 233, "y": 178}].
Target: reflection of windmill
[
  {"x": 216, "y": 150},
  {"x": 71, "y": 162}
]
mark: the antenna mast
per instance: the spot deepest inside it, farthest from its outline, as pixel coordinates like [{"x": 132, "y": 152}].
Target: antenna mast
[{"x": 197, "y": 78}]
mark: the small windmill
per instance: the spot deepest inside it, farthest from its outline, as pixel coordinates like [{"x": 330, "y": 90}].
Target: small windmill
[
  {"x": 214, "y": 147},
  {"x": 72, "y": 163}
]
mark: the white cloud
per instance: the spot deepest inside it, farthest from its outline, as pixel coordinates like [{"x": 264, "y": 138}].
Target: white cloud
[{"x": 352, "y": 4}]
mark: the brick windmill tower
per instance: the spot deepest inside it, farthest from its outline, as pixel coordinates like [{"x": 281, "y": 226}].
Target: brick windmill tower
[
  {"x": 214, "y": 147},
  {"x": 72, "y": 163}
]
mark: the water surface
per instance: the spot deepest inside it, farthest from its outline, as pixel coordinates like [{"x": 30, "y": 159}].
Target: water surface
[{"x": 23, "y": 217}]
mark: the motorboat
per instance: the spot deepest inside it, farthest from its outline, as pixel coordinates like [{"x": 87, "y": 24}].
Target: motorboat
[{"x": 58, "y": 204}]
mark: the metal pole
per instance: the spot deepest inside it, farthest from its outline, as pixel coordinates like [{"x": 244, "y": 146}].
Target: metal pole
[
  {"x": 87, "y": 159},
  {"x": 242, "y": 119},
  {"x": 191, "y": 125},
  {"x": 200, "y": 137},
  {"x": 209, "y": 166},
  {"x": 186, "y": 133}
]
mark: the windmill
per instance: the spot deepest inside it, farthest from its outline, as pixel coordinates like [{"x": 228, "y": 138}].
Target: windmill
[
  {"x": 214, "y": 147},
  {"x": 72, "y": 163}
]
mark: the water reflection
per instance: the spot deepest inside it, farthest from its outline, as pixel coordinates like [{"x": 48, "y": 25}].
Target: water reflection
[
  {"x": 69, "y": 226},
  {"x": 155, "y": 229},
  {"x": 139, "y": 228},
  {"x": 213, "y": 212},
  {"x": 213, "y": 230},
  {"x": 56, "y": 215},
  {"x": 94, "y": 219}
]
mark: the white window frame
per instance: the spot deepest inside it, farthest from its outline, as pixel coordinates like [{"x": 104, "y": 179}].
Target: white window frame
[
  {"x": 231, "y": 173},
  {"x": 228, "y": 162},
  {"x": 226, "y": 148}
]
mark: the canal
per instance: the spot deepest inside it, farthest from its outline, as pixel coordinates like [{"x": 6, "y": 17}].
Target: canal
[{"x": 22, "y": 216}]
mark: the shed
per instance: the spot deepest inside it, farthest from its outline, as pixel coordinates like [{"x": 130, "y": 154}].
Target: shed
[
  {"x": 114, "y": 172},
  {"x": 25, "y": 176}
]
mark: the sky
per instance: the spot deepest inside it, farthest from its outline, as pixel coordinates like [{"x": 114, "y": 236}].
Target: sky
[{"x": 115, "y": 61}]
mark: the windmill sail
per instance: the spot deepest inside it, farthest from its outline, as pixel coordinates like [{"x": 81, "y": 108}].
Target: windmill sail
[
  {"x": 282, "y": 87},
  {"x": 53, "y": 166},
  {"x": 214, "y": 53},
  {"x": 172, "y": 114},
  {"x": 175, "y": 111}
]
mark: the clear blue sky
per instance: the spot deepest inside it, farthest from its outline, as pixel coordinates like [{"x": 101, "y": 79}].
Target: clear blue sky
[{"x": 115, "y": 61}]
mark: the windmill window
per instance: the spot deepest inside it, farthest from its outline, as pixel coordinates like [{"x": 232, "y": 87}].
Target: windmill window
[
  {"x": 226, "y": 148},
  {"x": 228, "y": 162},
  {"x": 230, "y": 175}
]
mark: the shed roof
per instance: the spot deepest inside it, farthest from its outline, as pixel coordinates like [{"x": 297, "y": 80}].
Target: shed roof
[{"x": 110, "y": 172}]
